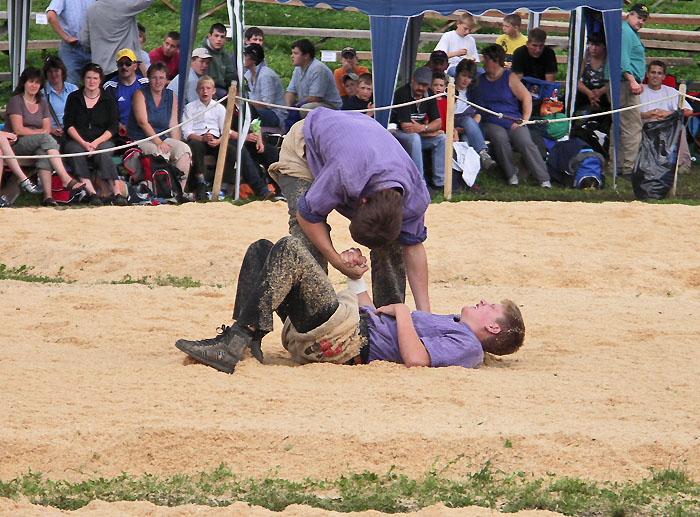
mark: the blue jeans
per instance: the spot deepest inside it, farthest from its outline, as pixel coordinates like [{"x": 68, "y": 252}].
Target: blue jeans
[
  {"x": 75, "y": 58},
  {"x": 472, "y": 132},
  {"x": 416, "y": 144},
  {"x": 268, "y": 118}
]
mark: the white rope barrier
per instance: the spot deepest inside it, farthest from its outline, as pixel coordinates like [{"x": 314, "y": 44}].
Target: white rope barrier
[{"x": 383, "y": 108}]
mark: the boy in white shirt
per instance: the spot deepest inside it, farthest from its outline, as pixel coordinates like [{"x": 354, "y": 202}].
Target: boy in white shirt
[{"x": 458, "y": 44}]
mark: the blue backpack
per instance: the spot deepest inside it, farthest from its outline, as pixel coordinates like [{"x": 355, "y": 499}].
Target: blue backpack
[{"x": 587, "y": 167}]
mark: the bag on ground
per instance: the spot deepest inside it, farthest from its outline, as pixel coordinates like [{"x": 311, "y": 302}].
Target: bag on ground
[{"x": 574, "y": 164}]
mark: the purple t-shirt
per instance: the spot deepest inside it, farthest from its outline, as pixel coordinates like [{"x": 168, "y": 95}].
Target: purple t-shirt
[
  {"x": 350, "y": 156},
  {"x": 449, "y": 341}
]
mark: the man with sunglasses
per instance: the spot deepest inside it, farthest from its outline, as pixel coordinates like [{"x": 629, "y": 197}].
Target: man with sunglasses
[{"x": 123, "y": 86}]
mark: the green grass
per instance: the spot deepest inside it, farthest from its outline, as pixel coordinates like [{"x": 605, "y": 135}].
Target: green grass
[
  {"x": 669, "y": 492},
  {"x": 24, "y": 273},
  {"x": 160, "y": 281}
]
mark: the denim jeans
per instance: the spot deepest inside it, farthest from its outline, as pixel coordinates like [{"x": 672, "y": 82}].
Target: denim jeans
[
  {"x": 472, "y": 132},
  {"x": 75, "y": 58},
  {"x": 415, "y": 144}
]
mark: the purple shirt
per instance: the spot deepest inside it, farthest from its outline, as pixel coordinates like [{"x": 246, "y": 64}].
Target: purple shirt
[
  {"x": 449, "y": 341},
  {"x": 350, "y": 156}
]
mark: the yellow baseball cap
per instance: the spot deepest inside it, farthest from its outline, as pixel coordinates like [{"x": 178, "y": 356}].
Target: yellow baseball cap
[{"x": 126, "y": 52}]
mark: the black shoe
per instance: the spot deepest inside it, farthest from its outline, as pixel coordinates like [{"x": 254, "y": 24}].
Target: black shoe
[
  {"x": 222, "y": 352},
  {"x": 95, "y": 200},
  {"x": 200, "y": 192},
  {"x": 119, "y": 200}
]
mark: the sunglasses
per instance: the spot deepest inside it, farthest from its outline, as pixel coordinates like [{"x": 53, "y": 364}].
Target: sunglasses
[{"x": 125, "y": 63}]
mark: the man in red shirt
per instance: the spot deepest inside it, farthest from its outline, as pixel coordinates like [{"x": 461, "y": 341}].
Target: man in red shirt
[
  {"x": 168, "y": 54},
  {"x": 348, "y": 62}
]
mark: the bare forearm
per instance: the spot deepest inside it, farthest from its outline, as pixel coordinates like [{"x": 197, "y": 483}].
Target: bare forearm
[
  {"x": 290, "y": 98},
  {"x": 416, "y": 262},
  {"x": 413, "y": 352}
]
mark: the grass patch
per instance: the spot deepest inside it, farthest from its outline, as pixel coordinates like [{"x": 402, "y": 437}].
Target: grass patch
[
  {"x": 160, "y": 281},
  {"x": 668, "y": 492},
  {"x": 24, "y": 273}
]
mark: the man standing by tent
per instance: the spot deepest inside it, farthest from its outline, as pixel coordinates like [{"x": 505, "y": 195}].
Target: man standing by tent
[
  {"x": 348, "y": 162},
  {"x": 633, "y": 66}
]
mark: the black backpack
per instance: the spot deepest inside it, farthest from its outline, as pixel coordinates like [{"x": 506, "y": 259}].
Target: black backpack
[{"x": 159, "y": 176}]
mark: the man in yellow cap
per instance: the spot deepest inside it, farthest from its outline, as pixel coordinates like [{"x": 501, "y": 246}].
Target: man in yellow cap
[{"x": 123, "y": 86}]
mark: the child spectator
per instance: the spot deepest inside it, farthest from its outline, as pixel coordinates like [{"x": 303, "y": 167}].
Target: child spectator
[
  {"x": 363, "y": 98},
  {"x": 511, "y": 39},
  {"x": 350, "y": 84},
  {"x": 458, "y": 44},
  {"x": 348, "y": 65},
  {"x": 439, "y": 85}
]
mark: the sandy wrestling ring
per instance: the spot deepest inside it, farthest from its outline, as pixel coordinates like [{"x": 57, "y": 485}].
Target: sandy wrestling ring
[{"x": 605, "y": 386}]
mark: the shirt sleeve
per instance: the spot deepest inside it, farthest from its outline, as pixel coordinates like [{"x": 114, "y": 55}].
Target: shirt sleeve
[
  {"x": 70, "y": 113},
  {"x": 550, "y": 66},
  {"x": 56, "y": 6},
  {"x": 188, "y": 127},
  {"x": 44, "y": 107},
  {"x": 518, "y": 66},
  {"x": 625, "y": 51},
  {"x": 443, "y": 44},
  {"x": 326, "y": 192},
  {"x": 432, "y": 110},
  {"x": 402, "y": 114},
  {"x": 471, "y": 49},
  {"x": 317, "y": 82},
  {"x": 292, "y": 88}
]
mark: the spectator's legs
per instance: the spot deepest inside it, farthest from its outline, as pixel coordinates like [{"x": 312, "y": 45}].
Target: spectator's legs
[
  {"x": 75, "y": 58},
  {"x": 500, "y": 142},
  {"x": 291, "y": 283},
  {"x": 436, "y": 144},
  {"x": 57, "y": 165},
  {"x": 105, "y": 164},
  {"x": 630, "y": 131},
  {"x": 411, "y": 142},
  {"x": 292, "y": 189},
  {"x": 388, "y": 275},
  {"x": 199, "y": 152},
  {"x": 472, "y": 133},
  {"x": 80, "y": 164},
  {"x": 522, "y": 142},
  {"x": 268, "y": 118},
  {"x": 250, "y": 171}
]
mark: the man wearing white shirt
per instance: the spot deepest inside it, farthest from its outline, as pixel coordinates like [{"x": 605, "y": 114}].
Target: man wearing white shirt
[
  {"x": 203, "y": 134},
  {"x": 656, "y": 90}
]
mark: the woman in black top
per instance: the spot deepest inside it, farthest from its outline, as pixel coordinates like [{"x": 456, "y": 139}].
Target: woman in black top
[{"x": 91, "y": 119}]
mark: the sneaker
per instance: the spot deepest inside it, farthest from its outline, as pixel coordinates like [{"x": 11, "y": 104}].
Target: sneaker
[
  {"x": 546, "y": 184},
  {"x": 221, "y": 352},
  {"x": 4, "y": 203},
  {"x": 513, "y": 181},
  {"x": 29, "y": 187},
  {"x": 200, "y": 192},
  {"x": 487, "y": 163},
  {"x": 279, "y": 197}
]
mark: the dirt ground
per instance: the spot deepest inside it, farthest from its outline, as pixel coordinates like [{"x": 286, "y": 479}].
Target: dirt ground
[{"x": 604, "y": 388}]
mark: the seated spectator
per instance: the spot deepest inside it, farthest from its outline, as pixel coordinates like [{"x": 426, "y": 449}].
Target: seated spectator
[
  {"x": 6, "y": 141},
  {"x": 28, "y": 118},
  {"x": 439, "y": 85},
  {"x": 350, "y": 84},
  {"x": 500, "y": 90},
  {"x": 125, "y": 84},
  {"x": 221, "y": 68},
  {"x": 535, "y": 59},
  {"x": 92, "y": 119},
  {"x": 203, "y": 135},
  {"x": 57, "y": 91},
  {"x": 153, "y": 110},
  {"x": 145, "y": 60},
  {"x": 511, "y": 39},
  {"x": 467, "y": 119},
  {"x": 265, "y": 86},
  {"x": 459, "y": 44},
  {"x": 348, "y": 65},
  {"x": 168, "y": 53},
  {"x": 363, "y": 98},
  {"x": 438, "y": 62},
  {"x": 255, "y": 151},
  {"x": 419, "y": 125},
  {"x": 591, "y": 82},
  {"x": 312, "y": 83},
  {"x": 655, "y": 90},
  {"x": 108, "y": 27},
  {"x": 198, "y": 67}
]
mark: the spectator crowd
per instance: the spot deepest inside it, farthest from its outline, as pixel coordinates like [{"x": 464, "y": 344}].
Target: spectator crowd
[{"x": 104, "y": 90}]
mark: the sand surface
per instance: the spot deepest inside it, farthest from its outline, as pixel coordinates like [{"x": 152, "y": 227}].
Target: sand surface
[{"x": 605, "y": 387}]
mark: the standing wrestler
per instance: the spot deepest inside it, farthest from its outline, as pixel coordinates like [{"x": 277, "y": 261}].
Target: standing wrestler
[{"x": 348, "y": 162}]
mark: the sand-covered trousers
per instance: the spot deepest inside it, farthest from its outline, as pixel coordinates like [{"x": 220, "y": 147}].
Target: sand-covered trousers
[{"x": 320, "y": 325}]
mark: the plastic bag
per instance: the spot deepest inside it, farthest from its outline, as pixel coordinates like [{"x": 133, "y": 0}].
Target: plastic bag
[{"x": 653, "y": 172}]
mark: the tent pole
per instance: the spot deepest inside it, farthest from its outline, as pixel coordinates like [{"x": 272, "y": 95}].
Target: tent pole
[
  {"x": 449, "y": 131},
  {"x": 223, "y": 145}
]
